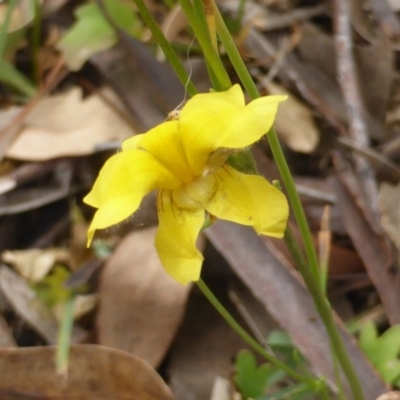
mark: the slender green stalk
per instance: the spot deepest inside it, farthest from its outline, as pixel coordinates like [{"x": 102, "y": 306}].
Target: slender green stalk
[
  {"x": 64, "y": 336},
  {"x": 276, "y": 149},
  {"x": 325, "y": 311},
  {"x": 200, "y": 13},
  {"x": 200, "y": 29},
  {"x": 210, "y": 19},
  {"x": 166, "y": 47},
  {"x": 4, "y": 29},
  {"x": 246, "y": 337},
  {"x": 295, "y": 202},
  {"x": 310, "y": 270},
  {"x": 234, "y": 55},
  {"x": 299, "y": 259}
]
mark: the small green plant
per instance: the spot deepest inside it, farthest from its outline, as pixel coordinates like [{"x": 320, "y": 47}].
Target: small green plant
[
  {"x": 267, "y": 381},
  {"x": 92, "y": 32},
  {"x": 383, "y": 351}
]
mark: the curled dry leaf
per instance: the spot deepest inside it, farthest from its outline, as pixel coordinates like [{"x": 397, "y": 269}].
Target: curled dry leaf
[
  {"x": 141, "y": 307},
  {"x": 68, "y": 125},
  {"x": 34, "y": 264},
  {"x": 21, "y": 16},
  {"x": 25, "y": 303},
  {"x": 95, "y": 372},
  {"x": 294, "y": 122}
]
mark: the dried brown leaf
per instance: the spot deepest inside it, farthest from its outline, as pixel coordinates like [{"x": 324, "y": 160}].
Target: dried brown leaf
[
  {"x": 141, "y": 307},
  {"x": 6, "y": 337},
  {"x": 34, "y": 264},
  {"x": 389, "y": 196},
  {"x": 265, "y": 272},
  {"x": 294, "y": 122},
  {"x": 371, "y": 244},
  {"x": 95, "y": 372},
  {"x": 68, "y": 125},
  {"x": 204, "y": 347},
  {"x": 390, "y": 396}
]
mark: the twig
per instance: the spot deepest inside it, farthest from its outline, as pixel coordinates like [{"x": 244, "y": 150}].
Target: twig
[{"x": 348, "y": 80}]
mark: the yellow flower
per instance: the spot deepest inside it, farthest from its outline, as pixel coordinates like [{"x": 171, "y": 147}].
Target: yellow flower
[{"x": 185, "y": 159}]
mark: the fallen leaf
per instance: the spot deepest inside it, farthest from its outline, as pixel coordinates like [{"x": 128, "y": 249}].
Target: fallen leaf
[
  {"x": 372, "y": 246},
  {"x": 67, "y": 125},
  {"x": 394, "y": 5},
  {"x": 95, "y": 372},
  {"x": 294, "y": 122},
  {"x": 34, "y": 264},
  {"x": 21, "y": 16},
  {"x": 25, "y": 303},
  {"x": 93, "y": 33},
  {"x": 204, "y": 347},
  {"x": 6, "y": 337},
  {"x": 223, "y": 390},
  {"x": 390, "y": 396},
  {"x": 266, "y": 273},
  {"x": 141, "y": 307},
  {"x": 389, "y": 204}
]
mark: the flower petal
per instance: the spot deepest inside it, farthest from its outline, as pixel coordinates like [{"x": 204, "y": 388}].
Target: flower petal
[
  {"x": 180, "y": 221},
  {"x": 245, "y": 199},
  {"x": 222, "y": 120},
  {"x": 164, "y": 143},
  {"x": 122, "y": 183}
]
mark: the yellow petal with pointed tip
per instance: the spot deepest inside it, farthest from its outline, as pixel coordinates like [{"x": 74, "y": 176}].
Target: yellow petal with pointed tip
[
  {"x": 180, "y": 221},
  {"x": 222, "y": 120},
  {"x": 121, "y": 185},
  {"x": 244, "y": 199},
  {"x": 164, "y": 143}
]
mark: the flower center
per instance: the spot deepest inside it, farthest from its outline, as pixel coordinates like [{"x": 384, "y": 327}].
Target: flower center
[{"x": 216, "y": 160}]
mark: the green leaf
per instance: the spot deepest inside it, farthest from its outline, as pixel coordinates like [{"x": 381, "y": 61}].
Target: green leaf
[
  {"x": 93, "y": 33},
  {"x": 389, "y": 370},
  {"x": 280, "y": 340},
  {"x": 368, "y": 341},
  {"x": 299, "y": 391},
  {"x": 389, "y": 343},
  {"x": 51, "y": 289},
  {"x": 251, "y": 379},
  {"x": 382, "y": 351}
]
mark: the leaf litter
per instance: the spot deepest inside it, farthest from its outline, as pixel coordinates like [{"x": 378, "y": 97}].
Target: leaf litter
[{"x": 57, "y": 144}]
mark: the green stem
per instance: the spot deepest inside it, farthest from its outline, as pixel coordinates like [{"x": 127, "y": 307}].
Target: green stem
[
  {"x": 199, "y": 26},
  {"x": 310, "y": 270},
  {"x": 325, "y": 311},
  {"x": 166, "y": 47},
  {"x": 295, "y": 202},
  {"x": 234, "y": 55},
  {"x": 64, "y": 336},
  {"x": 276, "y": 149},
  {"x": 245, "y": 336}
]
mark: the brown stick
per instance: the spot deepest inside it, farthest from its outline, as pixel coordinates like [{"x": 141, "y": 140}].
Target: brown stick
[{"x": 348, "y": 80}]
